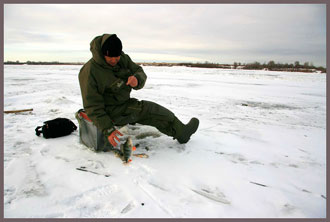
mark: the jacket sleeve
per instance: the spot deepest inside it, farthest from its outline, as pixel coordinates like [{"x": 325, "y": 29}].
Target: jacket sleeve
[
  {"x": 137, "y": 72},
  {"x": 93, "y": 102}
]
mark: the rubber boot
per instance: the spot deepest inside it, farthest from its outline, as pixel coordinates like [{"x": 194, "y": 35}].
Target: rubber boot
[{"x": 184, "y": 131}]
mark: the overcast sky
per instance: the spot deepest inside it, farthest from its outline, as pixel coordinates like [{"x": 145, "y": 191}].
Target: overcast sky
[{"x": 222, "y": 33}]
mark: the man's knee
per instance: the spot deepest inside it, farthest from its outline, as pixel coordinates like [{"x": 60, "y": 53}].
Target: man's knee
[
  {"x": 130, "y": 113},
  {"x": 155, "y": 110}
]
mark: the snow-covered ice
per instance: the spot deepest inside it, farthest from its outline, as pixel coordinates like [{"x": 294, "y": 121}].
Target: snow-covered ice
[{"x": 260, "y": 151}]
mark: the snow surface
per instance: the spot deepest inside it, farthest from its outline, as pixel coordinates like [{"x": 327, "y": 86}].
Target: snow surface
[{"x": 260, "y": 151}]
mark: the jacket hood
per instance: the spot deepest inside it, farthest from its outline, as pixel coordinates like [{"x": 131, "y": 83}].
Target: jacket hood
[{"x": 96, "y": 49}]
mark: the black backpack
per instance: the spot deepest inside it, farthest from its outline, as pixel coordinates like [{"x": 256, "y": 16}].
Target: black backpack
[{"x": 56, "y": 128}]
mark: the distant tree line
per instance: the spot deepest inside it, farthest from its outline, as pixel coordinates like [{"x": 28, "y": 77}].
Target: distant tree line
[
  {"x": 188, "y": 64},
  {"x": 204, "y": 65},
  {"x": 13, "y": 63},
  {"x": 271, "y": 65},
  {"x": 41, "y": 63}
]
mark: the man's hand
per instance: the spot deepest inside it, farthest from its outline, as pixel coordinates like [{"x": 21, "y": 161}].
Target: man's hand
[
  {"x": 132, "y": 81},
  {"x": 113, "y": 136}
]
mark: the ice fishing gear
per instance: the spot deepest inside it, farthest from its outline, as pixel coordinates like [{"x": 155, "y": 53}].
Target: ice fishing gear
[
  {"x": 90, "y": 135},
  {"x": 85, "y": 169},
  {"x": 95, "y": 139},
  {"x": 56, "y": 128}
]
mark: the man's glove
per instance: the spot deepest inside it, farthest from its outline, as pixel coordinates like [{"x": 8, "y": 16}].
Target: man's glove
[{"x": 113, "y": 136}]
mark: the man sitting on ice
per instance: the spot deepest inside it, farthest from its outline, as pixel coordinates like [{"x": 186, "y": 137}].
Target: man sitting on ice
[{"x": 106, "y": 81}]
